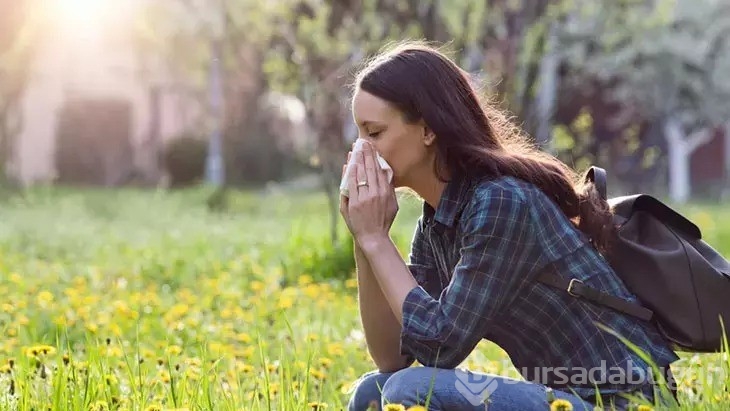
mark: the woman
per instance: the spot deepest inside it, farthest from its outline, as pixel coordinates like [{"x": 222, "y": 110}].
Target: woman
[{"x": 496, "y": 214}]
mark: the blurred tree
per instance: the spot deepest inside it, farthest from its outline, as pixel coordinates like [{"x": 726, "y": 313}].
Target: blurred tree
[
  {"x": 16, "y": 46},
  {"x": 309, "y": 48},
  {"x": 663, "y": 62},
  {"x": 614, "y": 76},
  {"x": 319, "y": 44}
]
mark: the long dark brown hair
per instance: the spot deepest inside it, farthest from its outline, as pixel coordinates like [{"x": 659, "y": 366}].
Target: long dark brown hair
[{"x": 473, "y": 135}]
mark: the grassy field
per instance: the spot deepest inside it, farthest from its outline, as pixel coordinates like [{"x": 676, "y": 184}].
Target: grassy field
[{"x": 144, "y": 300}]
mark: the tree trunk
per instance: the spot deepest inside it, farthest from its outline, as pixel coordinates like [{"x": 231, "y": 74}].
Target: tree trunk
[
  {"x": 680, "y": 148},
  {"x": 679, "y": 186},
  {"x": 725, "y": 195},
  {"x": 548, "y": 90}
]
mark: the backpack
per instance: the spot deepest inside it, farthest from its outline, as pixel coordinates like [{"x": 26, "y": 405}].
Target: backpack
[{"x": 682, "y": 284}]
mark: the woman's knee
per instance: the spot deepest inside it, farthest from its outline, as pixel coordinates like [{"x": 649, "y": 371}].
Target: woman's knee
[
  {"x": 461, "y": 389},
  {"x": 367, "y": 389},
  {"x": 410, "y": 386}
]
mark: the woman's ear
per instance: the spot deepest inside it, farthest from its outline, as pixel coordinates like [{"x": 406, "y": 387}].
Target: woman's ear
[{"x": 429, "y": 137}]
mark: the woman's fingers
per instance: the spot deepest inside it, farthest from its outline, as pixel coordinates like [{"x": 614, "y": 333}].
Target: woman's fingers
[
  {"x": 362, "y": 176},
  {"x": 371, "y": 165},
  {"x": 381, "y": 175},
  {"x": 352, "y": 180},
  {"x": 377, "y": 177}
]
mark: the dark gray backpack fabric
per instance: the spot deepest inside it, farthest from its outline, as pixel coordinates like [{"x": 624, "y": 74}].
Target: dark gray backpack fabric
[{"x": 682, "y": 283}]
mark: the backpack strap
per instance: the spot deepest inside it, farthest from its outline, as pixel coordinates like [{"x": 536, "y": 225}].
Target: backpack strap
[
  {"x": 597, "y": 176},
  {"x": 578, "y": 289}
]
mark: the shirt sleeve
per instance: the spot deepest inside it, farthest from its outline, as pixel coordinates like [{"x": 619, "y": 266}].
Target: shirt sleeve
[
  {"x": 420, "y": 263},
  {"x": 497, "y": 252},
  {"x": 420, "y": 259}
]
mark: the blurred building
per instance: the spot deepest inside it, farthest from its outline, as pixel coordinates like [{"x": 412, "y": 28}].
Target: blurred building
[{"x": 95, "y": 111}]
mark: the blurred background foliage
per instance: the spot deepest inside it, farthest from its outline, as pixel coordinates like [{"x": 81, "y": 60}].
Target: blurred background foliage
[{"x": 635, "y": 86}]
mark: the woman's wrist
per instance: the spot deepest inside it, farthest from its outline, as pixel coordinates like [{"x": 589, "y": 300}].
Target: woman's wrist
[{"x": 371, "y": 244}]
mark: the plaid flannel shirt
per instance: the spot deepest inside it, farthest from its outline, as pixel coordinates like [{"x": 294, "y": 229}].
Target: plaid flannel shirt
[{"x": 476, "y": 258}]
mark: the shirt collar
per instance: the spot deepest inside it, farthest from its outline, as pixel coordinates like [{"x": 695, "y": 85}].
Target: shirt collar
[{"x": 452, "y": 201}]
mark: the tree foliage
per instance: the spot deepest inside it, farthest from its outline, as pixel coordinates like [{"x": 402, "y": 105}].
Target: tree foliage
[
  {"x": 595, "y": 77},
  {"x": 17, "y": 32},
  {"x": 639, "y": 65}
]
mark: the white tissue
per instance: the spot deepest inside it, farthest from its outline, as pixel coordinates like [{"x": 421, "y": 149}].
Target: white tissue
[{"x": 350, "y": 167}]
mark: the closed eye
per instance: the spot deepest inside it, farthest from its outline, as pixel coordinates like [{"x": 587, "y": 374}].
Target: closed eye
[{"x": 375, "y": 134}]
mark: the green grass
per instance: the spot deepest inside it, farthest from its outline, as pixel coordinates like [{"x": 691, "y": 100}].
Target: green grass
[{"x": 140, "y": 300}]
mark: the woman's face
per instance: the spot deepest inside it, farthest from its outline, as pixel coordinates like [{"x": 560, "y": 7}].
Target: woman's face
[{"x": 408, "y": 148}]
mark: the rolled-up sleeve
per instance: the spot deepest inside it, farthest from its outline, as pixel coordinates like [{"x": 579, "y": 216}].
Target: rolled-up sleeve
[
  {"x": 420, "y": 259},
  {"x": 421, "y": 265},
  {"x": 497, "y": 252}
]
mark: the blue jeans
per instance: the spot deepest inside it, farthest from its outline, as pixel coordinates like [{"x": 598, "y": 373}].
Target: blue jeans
[{"x": 458, "y": 390}]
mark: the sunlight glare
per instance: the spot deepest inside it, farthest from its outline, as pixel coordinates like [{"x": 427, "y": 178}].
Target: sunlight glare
[{"x": 82, "y": 14}]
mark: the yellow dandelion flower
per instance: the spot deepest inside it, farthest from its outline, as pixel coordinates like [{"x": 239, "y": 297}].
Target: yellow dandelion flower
[
  {"x": 318, "y": 374},
  {"x": 154, "y": 407},
  {"x": 111, "y": 351},
  {"x": 317, "y": 405},
  {"x": 246, "y": 352},
  {"x": 394, "y": 407},
  {"x": 645, "y": 408},
  {"x": 226, "y": 313},
  {"x": 111, "y": 379},
  {"x": 417, "y": 408},
  {"x": 243, "y": 367},
  {"x": 325, "y": 362},
  {"x": 115, "y": 329},
  {"x": 216, "y": 348},
  {"x": 285, "y": 302},
  {"x": 60, "y": 320},
  {"x": 6, "y": 369},
  {"x": 305, "y": 279},
  {"x": 312, "y": 291},
  {"x": 165, "y": 376},
  {"x": 351, "y": 283},
  {"x": 40, "y": 350},
  {"x": 173, "y": 350},
  {"x": 99, "y": 406},
  {"x": 335, "y": 349},
  {"x": 256, "y": 286},
  {"x": 299, "y": 364},
  {"x": 247, "y": 317},
  {"x": 44, "y": 298},
  {"x": 244, "y": 338},
  {"x": 561, "y": 405}
]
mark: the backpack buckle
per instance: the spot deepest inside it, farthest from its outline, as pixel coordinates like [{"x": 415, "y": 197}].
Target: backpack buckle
[{"x": 571, "y": 284}]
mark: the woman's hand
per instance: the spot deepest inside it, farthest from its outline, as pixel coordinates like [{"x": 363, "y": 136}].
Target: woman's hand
[{"x": 370, "y": 210}]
